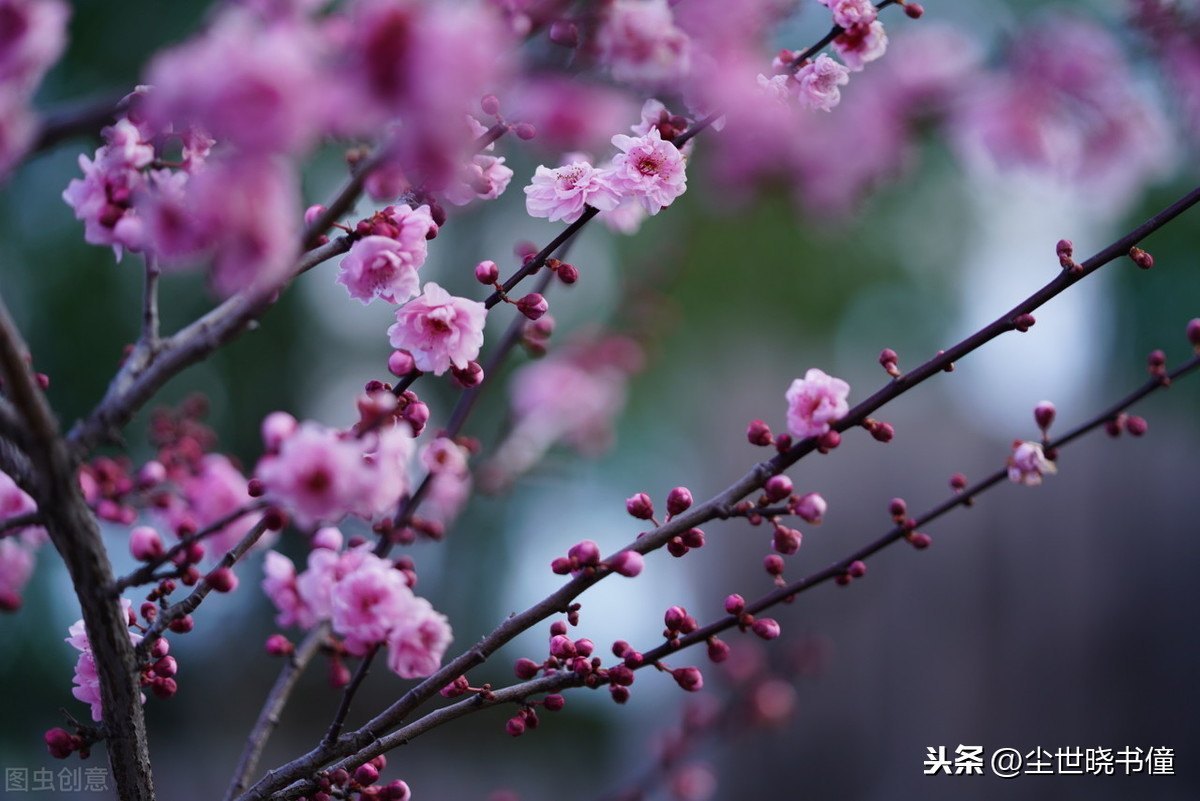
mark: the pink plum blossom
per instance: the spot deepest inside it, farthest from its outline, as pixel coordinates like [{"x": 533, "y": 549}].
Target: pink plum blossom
[
  {"x": 104, "y": 198},
  {"x": 368, "y": 603},
  {"x": 216, "y": 490},
  {"x": 439, "y": 330},
  {"x": 33, "y": 34},
  {"x": 87, "y": 680},
  {"x": 253, "y": 86},
  {"x": 388, "y": 454},
  {"x": 378, "y": 267},
  {"x": 640, "y": 43},
  {"x": 648, "y": 169},
  {"x": 318, "y": 475},
  {"x": 416, "y": 646},
  {"x": 848, "y": 13},
  {"x": 16, "y": 566},
  {"x": 1028, "y": 463},
  {"x": 564, "y": 193},
  {"x": 279, "y": 585},
  {"x": 814, "y": 402},
  {"x": 819, "y": 81},
  {"x": 861, "y": 44}
]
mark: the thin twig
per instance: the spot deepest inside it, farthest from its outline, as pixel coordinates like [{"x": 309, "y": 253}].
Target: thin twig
[
  {"x": 201, "y": 591},
  {"x": 566, "y": 679}
]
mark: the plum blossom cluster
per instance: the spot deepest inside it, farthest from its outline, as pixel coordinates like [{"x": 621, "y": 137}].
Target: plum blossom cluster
[
  {"x": 368, "y": 601},
  {"x": 648, "y": 171},
  {"x": 34, "y": 35},
  {"x": 321, "y": 475}
]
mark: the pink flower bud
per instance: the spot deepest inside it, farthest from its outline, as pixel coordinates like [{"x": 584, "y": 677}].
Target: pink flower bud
[
  {"x": 897, "y": 508},
  {"x": 223, "y": 579},
  {"x": 561, "y": 566},
  {"x": 810, "y": 508},
  {"x": 164, "y": 688},
  {"x": 786, "y": 540},
  {"x": 487, "y": 273},
  {"x": 366, "y": 775},
  {"x": 1023, "y": 322},
  {"x": 567, "y": 273},
  {"x": 1136, "y": 426},
  {"x": 182, "y": 625},
  {"x": 857, "y": 569},
  {"x": 689, "y": 678},
  {"x": 166, "y": 667},
  {"x": 564, "y": 32},
  {"x": 469, "y": 376},
  {"x": 640, "y": 506},
  {"x": 279, "y": 645},
  {"x": 678, "y": 501},
  {"x": 152, "y": 474},
  {"x": 758, "y": 433},
  {"x": 766, "y": 628},
  {"x": 718, "y": 651},
  {"x": 525, "y": 669},
  {"x": 920, "y": 540},
  {"x": 1193, "y": 332},
  {"x": 735, "y": 604},
  {"x": 145, "y": 544},
  {"x": 777, "y": 488},
  {"x": 60, "y": 743},
  {"x": 524, "y": 131},
  {"x": 276, "y": 427},
  {"x": 312, "y": 213},
  {"x": 401, "y": 363},
  {"x": 586, "y": 553},
  {"x": 675, "y": 617},
  {"x": 533, "y": 305},
  {"x": 1141, "y": 258},
  {"x": 883, "y": 432},
  {"x": 490, "y": 104},
  {"x": 828, "y": 441},
  {"x": 619, "y": 694},
  {"x": 914, "y": 10},
  {"x": 255, "y": 488},
  {"x": 554, "y": 702},
  {"x": 160, "y": 648},
  {"x": 958, "y": 482},
  {"x": 692, "y": 538},
  {"x": 584, "y": 647},
  {"x": 339, "y": 674},
  {"x": 561, "y": 647},
  {"x": 328, "y": 538},
  {"x": 773, "y": 564},
  {"x": 515, "y": 726},
  {"x": 1043, "y": 414},
  {"x": 628, "y": 563}
]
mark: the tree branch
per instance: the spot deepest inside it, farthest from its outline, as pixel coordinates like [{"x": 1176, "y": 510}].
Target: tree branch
[{"x": 76, "y": 536}]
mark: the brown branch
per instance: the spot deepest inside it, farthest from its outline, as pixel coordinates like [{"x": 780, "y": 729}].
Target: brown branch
[
  {"x": 201, "y": 591},
  {"x": 268, "y": 717},
  {"x": 76, "y": 536}
]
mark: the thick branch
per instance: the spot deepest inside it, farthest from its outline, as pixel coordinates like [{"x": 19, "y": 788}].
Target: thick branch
[{"x": 75, "y": 534}]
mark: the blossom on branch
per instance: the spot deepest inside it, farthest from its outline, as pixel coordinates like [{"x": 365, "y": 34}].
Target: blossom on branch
[
  {"x": 819, "y": 81},
  {"x": 649, "y": 169},
  {"x": 1028, "y": 464},
  {"x": 564, "y": 193},
  {"x": 814, "y": 402},
  {"x": 439, "y": 330}
]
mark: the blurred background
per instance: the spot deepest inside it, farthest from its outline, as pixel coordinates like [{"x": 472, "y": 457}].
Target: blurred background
[{"x": 1059, "y": 616}]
